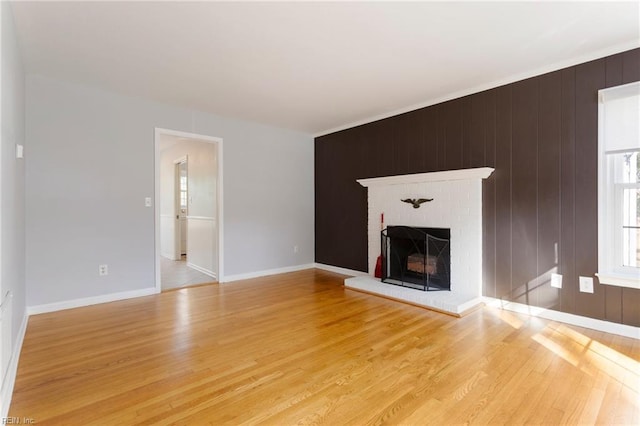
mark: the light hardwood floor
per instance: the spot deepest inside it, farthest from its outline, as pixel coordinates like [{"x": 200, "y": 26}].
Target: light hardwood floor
[{"x": 299, "y": 348}]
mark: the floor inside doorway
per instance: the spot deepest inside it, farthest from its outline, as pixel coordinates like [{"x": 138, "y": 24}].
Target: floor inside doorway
[{"x": 176, "y": 274}]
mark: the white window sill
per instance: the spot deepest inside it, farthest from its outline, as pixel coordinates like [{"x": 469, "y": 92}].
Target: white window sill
[{"x": 619, "y": 280}]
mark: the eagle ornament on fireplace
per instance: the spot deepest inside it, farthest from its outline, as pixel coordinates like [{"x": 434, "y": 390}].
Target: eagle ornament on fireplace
[{"x": 416, "y": 201}]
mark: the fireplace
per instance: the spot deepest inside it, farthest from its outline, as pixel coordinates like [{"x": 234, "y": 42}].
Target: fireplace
[
  {"x": 417, "y": 258},
  {"x": 456, "y": 209}
]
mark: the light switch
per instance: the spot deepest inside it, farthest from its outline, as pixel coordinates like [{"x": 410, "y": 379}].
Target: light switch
[
  {"x": 147, "y": 201},
  {"x": 19, "y": 151}
]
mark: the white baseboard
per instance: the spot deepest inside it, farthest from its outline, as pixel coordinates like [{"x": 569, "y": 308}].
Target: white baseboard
[
  {"x": 87, "y": 301},
  {"x": 580, "y": 321},
  {"x": 339, "y": 270},
  {"x": 258, "y": 274},
  {"x": 10, "y": 379},
  {"x": 203, "y": 270}
]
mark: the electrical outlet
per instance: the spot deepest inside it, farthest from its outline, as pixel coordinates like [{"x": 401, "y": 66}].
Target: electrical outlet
[
  {"x": 103, "y": 270},
  {"x": 586, "y": 284},
  {"x": 147, "y": 201},
  {"x": 295, "y": 249},
  {"x": 556, "y": 280}
]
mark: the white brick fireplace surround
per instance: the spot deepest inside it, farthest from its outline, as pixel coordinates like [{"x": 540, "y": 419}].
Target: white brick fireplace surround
[{"x": 457, "y": 205}]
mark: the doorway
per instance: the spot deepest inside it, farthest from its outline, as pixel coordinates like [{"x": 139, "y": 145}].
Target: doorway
[
  {"x": 188, "y": 209},
  {"x": 181, "y": 186}
]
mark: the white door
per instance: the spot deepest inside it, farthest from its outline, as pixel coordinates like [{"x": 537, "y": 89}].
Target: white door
[
  {"x": 180, "y": 207},
  {"x": 184, "y": 202}
]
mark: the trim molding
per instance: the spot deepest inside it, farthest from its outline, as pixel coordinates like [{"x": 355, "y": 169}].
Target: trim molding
[
  {"x": 266, "y": 272},
  {"x": 618, "y": 280},
  {"x": 12, "y": 370},
  {"x": 87, "y": 301},
  {"x": 201, "y": 218},
  {"x": 339, "y": 270},
  {"x": 203, "y": 270},
  {"x": 168, "y": 256},
  {"x": 447, "y": 175},
  {"x": 577, "y": 60},
  {"x": 580, "y": 321}
]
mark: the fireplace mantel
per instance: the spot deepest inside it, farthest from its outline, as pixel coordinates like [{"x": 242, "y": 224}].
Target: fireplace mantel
[{"x": 475, "y": 173}]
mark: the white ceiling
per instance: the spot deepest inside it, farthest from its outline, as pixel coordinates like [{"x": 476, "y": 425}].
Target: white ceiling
[{"x": 314, "y": 66}]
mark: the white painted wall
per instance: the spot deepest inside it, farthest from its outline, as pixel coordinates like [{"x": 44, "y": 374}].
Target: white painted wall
[
  {"x": 12, "y": 206},
  {"x": 201, "y": 219},
  {"x": 167, "y": 236},
  {"x": 12, "y": 170},
  {"x": 91, "y": 163},
  {"x": 201, "y": 251}
]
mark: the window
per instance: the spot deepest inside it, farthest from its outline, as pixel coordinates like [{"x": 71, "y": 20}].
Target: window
[
  {"x": 619, "y": 186},
  {"x": 183, "y": 191},
  {"x": 626, "y": 191},
  {"x": 183, "y": 186}
]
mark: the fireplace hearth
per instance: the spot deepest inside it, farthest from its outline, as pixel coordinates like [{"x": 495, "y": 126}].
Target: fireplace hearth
[{"x": 417, "y": 258}]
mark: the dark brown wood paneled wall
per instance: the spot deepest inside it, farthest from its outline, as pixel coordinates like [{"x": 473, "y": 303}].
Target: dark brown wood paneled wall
[{"x": 541, "y": 136}]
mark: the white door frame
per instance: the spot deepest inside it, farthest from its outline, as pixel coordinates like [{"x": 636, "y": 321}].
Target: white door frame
[
  {"x": 219, "y": 199},
  {"x": 177, "y": 230}
]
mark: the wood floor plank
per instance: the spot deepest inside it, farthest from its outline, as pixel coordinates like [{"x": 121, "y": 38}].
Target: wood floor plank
[{"x": 299, "y": 348}]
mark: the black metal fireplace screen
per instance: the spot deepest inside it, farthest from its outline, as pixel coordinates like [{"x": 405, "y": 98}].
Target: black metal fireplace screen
[{"x": 418, "y": 258}]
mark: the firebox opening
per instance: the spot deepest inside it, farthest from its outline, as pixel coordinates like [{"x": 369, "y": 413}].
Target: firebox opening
[{"x": 418, "y": 258}]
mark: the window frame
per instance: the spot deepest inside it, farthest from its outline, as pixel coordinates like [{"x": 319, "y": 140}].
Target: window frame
[{"x": 610, "y": 220}]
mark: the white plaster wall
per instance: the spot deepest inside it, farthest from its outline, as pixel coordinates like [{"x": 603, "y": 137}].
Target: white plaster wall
[
  {"x": 91, "y": 164},
  {"x": 167, "y": 236},
  {"x": 201, "y": 252},
  {"x": 12, "y": 175},
  {"x": 456, "y": 205}
]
